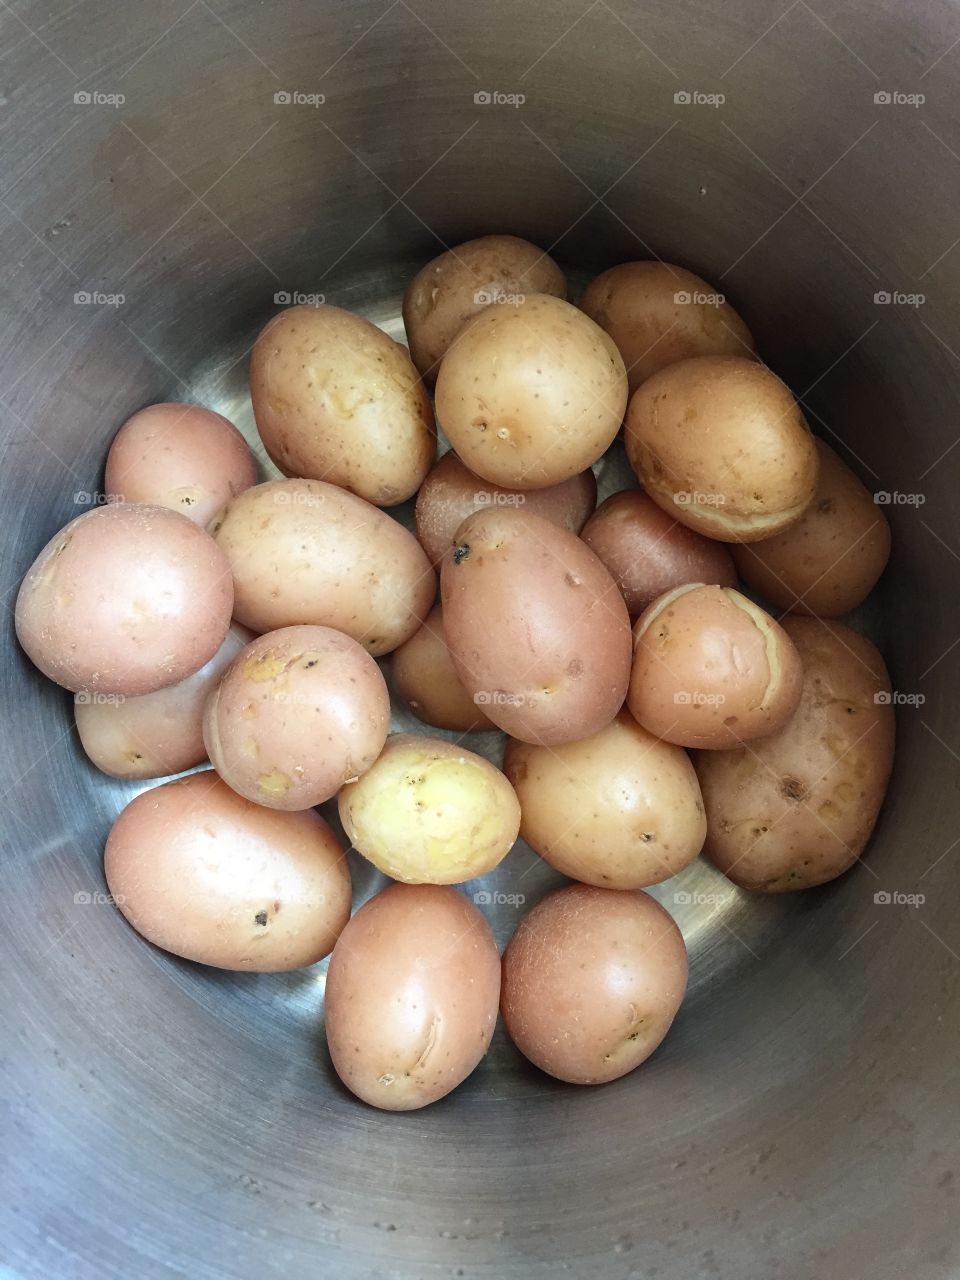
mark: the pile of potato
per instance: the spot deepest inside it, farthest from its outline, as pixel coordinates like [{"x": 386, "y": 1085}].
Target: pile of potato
[{"x": 200, "y": 615}]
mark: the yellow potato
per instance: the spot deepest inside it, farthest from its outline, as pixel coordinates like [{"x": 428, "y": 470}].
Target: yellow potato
[{"x": 426, "y": 679}]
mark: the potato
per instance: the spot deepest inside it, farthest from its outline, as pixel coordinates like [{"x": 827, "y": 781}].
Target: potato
[
  {"x": 720, "y": 443},
  {"x": 619, "y": 809},
  {"x": 305, "y": 552},
  {"x": 536, "y": 627},
  {"x": 658, "y": 313},
  {"x": 411, "y": 996},
  {"x": 592, "y": 980},
  {"x": 829, "y": 561},
  {"x": 451, "y": 492},
  {"x": 336, "y": 399},
  {"x": 797, "y": 809},
  {"x": 299, "y": 712},
  {"x": 429, "y": 812},
  {"x": 711, "y": 669},
  {"x": 451, "y": 289},
  {"x": 125, "y": 599},
  {"x": 647, "y": 552},
  {"x": 426, "y": 679},
  {"x": 180, "y": 456},
  {"x": 157, "y": 733},
  {"x": 532, "y": 394},
  {"x": 205, "y": 874}
]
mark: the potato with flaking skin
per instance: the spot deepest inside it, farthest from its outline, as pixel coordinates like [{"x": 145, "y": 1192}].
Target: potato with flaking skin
[
  {"x": 658, "y": 314},
  {"x": 426, "y": 679},
  {"x": 206, "y": 875},
  {"x": 305, "y": 552},
  {"x": 829, "y": 561},
  {"x": 157, "y": 733},
  {"x": 711, "y": 669},
  {"x": 592, "y": 980},
  {"x": 536, "y": 627},
  {"x": 648, "y": 552},
  {"x": 411, "y": 996},
  {"x": 299, "y": 712},
  {"x": 620, "y": 809},
  {"x": 180, "y": 456},
  {"x": 721, "y": 445},
  {"x": 125, "y": 599},
  {"x": 532, "y": 394},
  {"x": 336, "y": 399},
  {"x": 797, "y": 809},
  {"x": 451, "y": 492},
  {"x": 429, "y": 812},
  {"x": 450, "y": 290}
]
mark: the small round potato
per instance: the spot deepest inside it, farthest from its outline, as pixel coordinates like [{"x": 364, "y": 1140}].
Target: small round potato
[
  {"x": 451, "y": 289},
  {"x": 829, "y": 561},
  {"x": 531, "y": 394},
  {"x": 619, "y": 809},
  {"x": 205, "y": 874},
  {"x": 307, "y": 552},
  {"x": 336, "y": 399},
  {"x": 429, "y": 812},
  {"x": 300, "y": 711},
  {"x": 658, "y": 313},
  {"x": 648, "y": 552},
  {"x": 592, "y": 980},
  {"x": 425, "y": 677},
  {"x": 451, "y": 492},
  {"x": 797, "y": 809},
  {"x": 711, "y": 669},
  {"x": 537, "y": 629},
  {"x": 125, "y": 599},
  {"x": 720, "y": 443},
  {"x": 180, "y": 456},
  {"x": 411, "y": 996},
  {"x": 158, "y": 733}
]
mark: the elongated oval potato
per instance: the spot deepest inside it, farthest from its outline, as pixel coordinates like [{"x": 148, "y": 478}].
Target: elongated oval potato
[
  {"x": 337, "y": 399},
  {"x": 429, "y": 812},
  {"x": 797, "y": 809},
  {"x": 711, "y": 669},
  {"x": 648, "y": 552},
  {"x": 536, "y": 627},
  {"x": 205, "y": 874},
  {"x": 658, "y": 314},
  {"x": 720, "y": 443},
  {"x": 619, "y": 809},
  {"x": 411, "y": 996},
  {"x": 530, "y": 395},
  {"x": 426, "y": 679},
  {"x": 157, "y": 733},
  {"x": 451, "y": 492},
  {"x": 307, "y": 552},
  {"x": 829, "y": 561},
  {"x": 452, "y": 288}
]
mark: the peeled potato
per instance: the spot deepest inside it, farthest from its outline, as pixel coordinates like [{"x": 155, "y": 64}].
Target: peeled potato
[{"x": 425, "y": 677}]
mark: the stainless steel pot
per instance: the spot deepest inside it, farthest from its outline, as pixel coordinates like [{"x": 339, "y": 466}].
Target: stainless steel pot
[{"x": 800, "y": 1120}]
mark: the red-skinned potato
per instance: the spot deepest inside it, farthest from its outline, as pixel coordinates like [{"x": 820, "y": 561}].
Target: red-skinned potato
[
  {"x": 426, "y": 679},
  {"x": 411, "y": 996},
  {"x": 300, "y": 712},
  {"x": 305, "y": 552},
  {"x": 205, "y": 874},
  {"x": 829, "y": 561},
  {"x": 536, "y": 627},
  {"x": 797, "y": 809},
  {"x": 125, "y": 599},
  {"x": 648, "y": 552},
  {"x": 451, "y": 492},
  {"x": 711, "y": 669},
  {"x": 452, "y": 288},
  {"x": 180, "y": 456},
  {"x": 592, "y": 980},
  {"x": 620, "y": 809}
]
